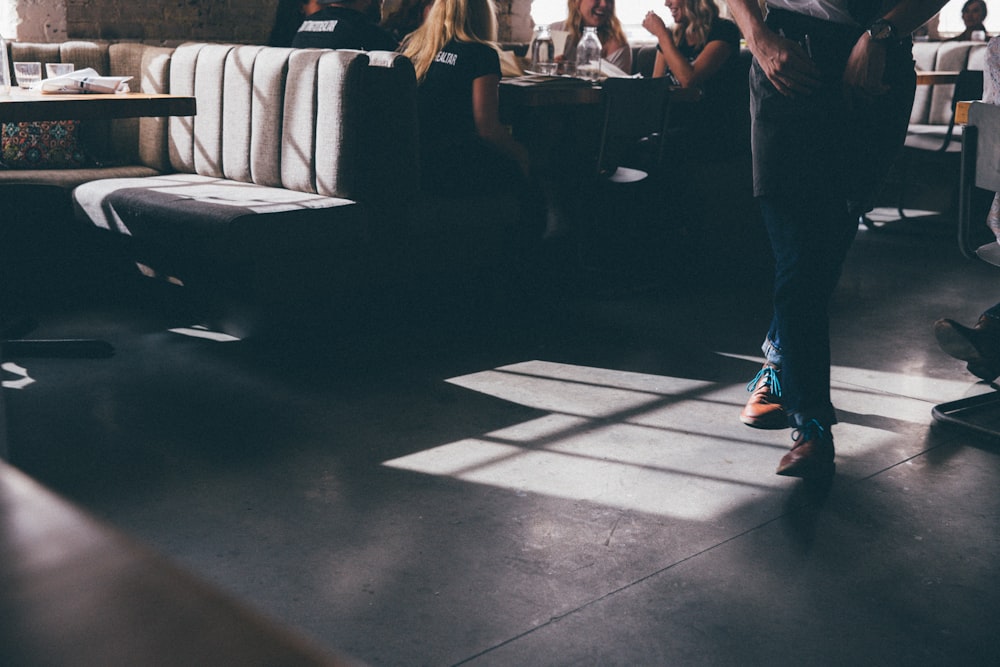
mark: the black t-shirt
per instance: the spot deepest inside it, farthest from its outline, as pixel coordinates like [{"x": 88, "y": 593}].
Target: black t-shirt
[
  {"x": 454, "y": 159},
  {"x": 445, "y": 94},
  {"x": 341, "y": 28},
  {"x": 721, "y": 31}
]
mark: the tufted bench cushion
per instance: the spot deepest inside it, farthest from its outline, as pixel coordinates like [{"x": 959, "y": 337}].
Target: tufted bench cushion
[{"x": 280, "y": 137}]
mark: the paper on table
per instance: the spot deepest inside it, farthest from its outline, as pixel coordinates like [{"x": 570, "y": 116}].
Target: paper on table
[
  {"x": 510, "y": 64},
  {"x": 86, "y": 81},
  {"x": 611, "y": 71}
]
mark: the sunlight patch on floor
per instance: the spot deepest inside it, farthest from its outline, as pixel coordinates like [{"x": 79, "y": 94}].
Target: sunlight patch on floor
[
  {"x": 19, "y": 372},
  {"x": 657, "y": 444},
  {"x": 199, "y": 331}
]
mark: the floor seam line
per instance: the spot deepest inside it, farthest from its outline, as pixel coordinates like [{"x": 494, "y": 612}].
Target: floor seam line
[{"x": 555, "y": 619}]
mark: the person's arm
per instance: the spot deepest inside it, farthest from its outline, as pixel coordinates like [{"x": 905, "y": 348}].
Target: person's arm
[
  {"x": 784, "y": 62},
  {"x": 486, "y": 113},
  {"x": 709, "y": 61},
  {"x": 866, "y": 64},
  {"x": 659, "y": 66},
  {"x": 688, "y": 74}
]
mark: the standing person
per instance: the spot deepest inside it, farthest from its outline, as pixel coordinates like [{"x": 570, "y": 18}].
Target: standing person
[
  {"x": 831, "y": 92},
  {"x": 698, "y": 45},
  {"x": 973, "y": 15},
  {"x": 345, "y": 24},
  {"x": 598, "y": 14}
]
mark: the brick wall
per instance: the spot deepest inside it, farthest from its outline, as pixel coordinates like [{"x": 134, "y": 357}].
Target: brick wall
[{"x": 242, "y": 21}]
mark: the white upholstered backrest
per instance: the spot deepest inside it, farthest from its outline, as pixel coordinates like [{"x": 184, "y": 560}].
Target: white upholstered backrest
[
  {"x": 336, "y": 123},
  {"x": 932, "y": 104}
]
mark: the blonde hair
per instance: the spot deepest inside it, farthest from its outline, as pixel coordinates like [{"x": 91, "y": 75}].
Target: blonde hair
[
  {"x": 612, "y": 30},
  {"x": 461, "y": 20},
  {"x": 699, "y": 16}
]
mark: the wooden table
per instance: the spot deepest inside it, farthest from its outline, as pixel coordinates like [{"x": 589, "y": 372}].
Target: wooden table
[
  {"x": 559, "y": 120},
  {"x": 533, "y": 92},
  {"x": 75, "y": 592},
  {"x": 539, "y": 91},
  {"x": 29, "y": 105},
  {"x": 962, "y": 112},
  {"x": 933, "y": 78}
]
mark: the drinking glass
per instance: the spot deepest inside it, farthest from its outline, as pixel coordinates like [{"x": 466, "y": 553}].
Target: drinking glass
[
  {"x": 28, "y": 74},
  {"x": 53, "y": 70}
]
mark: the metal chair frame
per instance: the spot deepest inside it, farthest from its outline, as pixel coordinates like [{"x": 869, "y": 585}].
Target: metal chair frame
[
  {"x": 968, "y": 86},
  {"x": 980, "y": 167}
]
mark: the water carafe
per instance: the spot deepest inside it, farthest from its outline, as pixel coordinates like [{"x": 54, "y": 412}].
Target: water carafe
[
  {"x": 543, "y": 52},
  {"x": 588, "y": 55}
]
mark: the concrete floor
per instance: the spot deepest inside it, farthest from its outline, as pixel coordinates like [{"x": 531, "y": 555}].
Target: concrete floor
[{"x": 569, "y": 486}]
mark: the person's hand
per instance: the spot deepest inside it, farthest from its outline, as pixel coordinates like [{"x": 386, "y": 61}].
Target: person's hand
[
  {"x": 786, "y": 65},
  {"x": 864, "y": 70},
  {"x": 654, "y": 24}
]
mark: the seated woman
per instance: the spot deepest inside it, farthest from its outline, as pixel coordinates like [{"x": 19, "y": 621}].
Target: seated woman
[
  {"x": 464, "y": 148},
  {"x": 598, "y": 14},
  {"x": 700, "y": 51},
  {"x": 973, "y": 16},
  {"x": 697, "y": 47}
]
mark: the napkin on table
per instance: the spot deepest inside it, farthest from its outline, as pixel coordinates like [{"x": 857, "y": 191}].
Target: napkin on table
[{"x": 86, "y": 80}]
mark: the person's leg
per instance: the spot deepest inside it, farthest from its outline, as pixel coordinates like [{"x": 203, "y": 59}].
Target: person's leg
[{"x": 810, "y": 238}]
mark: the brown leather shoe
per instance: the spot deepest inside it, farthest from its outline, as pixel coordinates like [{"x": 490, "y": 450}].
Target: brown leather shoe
[
  {"x": 763, "y": 408},
  {"x": 812, "y": 454},
  {"x": 979, "y": 345}
]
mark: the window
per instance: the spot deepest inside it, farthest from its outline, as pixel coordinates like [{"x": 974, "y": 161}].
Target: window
[
  {"x": 630, "y": 13},
  {"x": 950, "y": 18},
  {"x": 8, "y": 19}
]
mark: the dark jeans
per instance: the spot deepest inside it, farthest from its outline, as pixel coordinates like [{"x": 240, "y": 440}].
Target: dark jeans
[
  {"x": 810, "y": 240},
  {"x": 818, "y": 161}
]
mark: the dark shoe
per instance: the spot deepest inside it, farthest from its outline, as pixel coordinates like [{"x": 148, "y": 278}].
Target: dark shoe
[
  {"x": 811, "y": 455},
  {"x": 763, "y": 408},
  {"x": 979, "y": 346}
]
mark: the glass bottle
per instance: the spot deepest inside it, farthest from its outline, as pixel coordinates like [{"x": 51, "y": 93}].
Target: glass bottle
[
  {"x": 543, "y": 52},
  {"x": 588, "y": 55}
]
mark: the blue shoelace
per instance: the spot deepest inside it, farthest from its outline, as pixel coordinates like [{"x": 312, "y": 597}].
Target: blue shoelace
[
  {"x": 811, "y": 430},
  {"x": 771, "y": 378}
]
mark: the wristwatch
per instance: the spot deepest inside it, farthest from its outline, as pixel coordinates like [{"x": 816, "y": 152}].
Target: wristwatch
[{"x": 882, "y": 30}]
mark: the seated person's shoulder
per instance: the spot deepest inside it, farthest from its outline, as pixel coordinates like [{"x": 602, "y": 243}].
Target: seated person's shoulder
[
  {"x": 477, "y": 50},
  {"x": 725, "y": 31},
  {"x": 336, "y": 27}
]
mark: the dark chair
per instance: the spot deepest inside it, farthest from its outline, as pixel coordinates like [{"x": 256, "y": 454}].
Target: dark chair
[
  {"x": 980, "y": 168},
  {"x": 937, "y": 139},
  {"x": 636, "y": 113},
  {"x": 635, "y": 117},
  {"x": 643, "y": 60}
]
